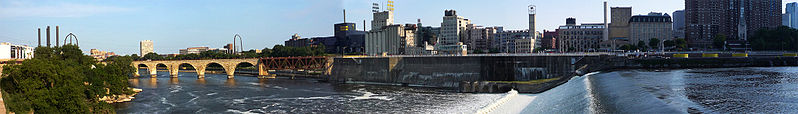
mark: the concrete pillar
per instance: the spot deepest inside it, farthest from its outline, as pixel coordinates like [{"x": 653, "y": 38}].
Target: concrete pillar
[
  {"x": 230, "y": 69},
  {"x": 173, "y": 70},
  {"x": 200, "y": 71},
  {"x": 263, "y": 72},
  {"x": 328, "y": 66},
  {"x": 153, "y": 71}
]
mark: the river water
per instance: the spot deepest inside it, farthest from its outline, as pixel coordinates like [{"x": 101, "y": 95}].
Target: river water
[
  {"x": 246, "y": 94},
  {"x": 718, "y": 90}
]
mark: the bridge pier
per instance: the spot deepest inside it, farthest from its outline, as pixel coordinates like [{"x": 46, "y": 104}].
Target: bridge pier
[
  {"x": 173, "y": 70},
  {"x": 200, "y": 72},
  {"x": 230, "y": 70},
  {"x": 153, "y": 71},
  {"x": 263, "y": 73}
]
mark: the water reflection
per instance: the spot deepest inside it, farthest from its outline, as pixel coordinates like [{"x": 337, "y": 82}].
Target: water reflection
[
  {"x": 201, "y": 81},
  {"x": 174, "y": 81},
  {"x": 263, "y": 82},
  {"x": 153, "y": 83},
  {"x": 231, "y": 82},
  {"x": 134, "y": 82}
]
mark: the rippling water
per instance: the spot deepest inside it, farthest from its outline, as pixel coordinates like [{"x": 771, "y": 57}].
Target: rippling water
[
  {"x": 217, "y": 94},
  {"x": 721, "y": 90}
]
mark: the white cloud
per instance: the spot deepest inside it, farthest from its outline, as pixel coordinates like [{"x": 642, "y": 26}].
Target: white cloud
[{"x": 19, "y": 9}]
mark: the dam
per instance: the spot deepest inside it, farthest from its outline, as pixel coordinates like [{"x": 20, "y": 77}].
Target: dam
[{"x": 453, "y": 71}]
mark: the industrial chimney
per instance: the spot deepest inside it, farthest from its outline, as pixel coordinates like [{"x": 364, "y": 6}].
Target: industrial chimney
[
  {"x": 606, "y": 25},
  {"x": 40, "y": 37},
  {"x": 56, "y": 36},
  {"x": 48, "y": 36}
]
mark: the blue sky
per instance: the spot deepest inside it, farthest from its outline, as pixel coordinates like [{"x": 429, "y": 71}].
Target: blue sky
[{"x": 118, "y": 26}]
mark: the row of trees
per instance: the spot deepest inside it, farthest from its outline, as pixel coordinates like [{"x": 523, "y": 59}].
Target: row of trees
[
  {"x": 779, "y": 39},
  {"x": 653, "y": 44},
  {"x": 63, "y": 80},
  {"x": 276, "y": 51}
]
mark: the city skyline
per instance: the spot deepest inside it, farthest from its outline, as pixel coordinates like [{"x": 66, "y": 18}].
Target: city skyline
[{"x": 118, "y": 26}]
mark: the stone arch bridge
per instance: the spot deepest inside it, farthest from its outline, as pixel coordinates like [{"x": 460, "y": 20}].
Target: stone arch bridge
[{"x": 229, "y": 65}]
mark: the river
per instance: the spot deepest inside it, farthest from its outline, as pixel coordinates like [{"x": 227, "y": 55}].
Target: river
[
  {"x": 716, "y": 90},
  {"x": 246, "y": 94}
]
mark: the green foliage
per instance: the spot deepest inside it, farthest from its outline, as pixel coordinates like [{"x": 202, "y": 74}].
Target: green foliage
[
  {"x": 63, "y": 80},
  {"x": 628, "y": 47},
  {"x": 778, "y": 39},
  {"x": 719, "y": 41},
  {"x": 641, "y": 45},
  {"x": 283, "y": 51},
  {"x": 152, "y": 56},
  {"x": 681, "y": 44},
  {"x": 276, "y": 51},
  {"x": 669, "y": 43},
  {"x": 653, "y": 43}
]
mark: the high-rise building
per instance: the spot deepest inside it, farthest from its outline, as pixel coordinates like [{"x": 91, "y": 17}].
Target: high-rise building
[
  {"x": 619, "y": 28},
  {"x": 678, "y": 24},
  {"x": 579, "y": 38},
  {"x": 790, "y": 16},
  {"x": 647, "y": 27},
  {"x": 452, "y": 32},
  {"x": 145, "y": 47},
  {"x": 549, "y": 40},
  {"x": 735, "y": 19},
  {"x": 381, "y": 19},
  {"x": 785, "y": 20},
  {"x": 506, "y": 40},
  {"x": 480, "y": 38},
  {"x": 532, "y": 13}
]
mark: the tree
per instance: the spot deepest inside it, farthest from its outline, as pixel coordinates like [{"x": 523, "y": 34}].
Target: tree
[
  {"x": 653, "y": 43},
  {"x": 135, "y": 57},
  {"x": 681, "y": 44},
  {"x": 627, "y": 47},
  {"x": 668, "y": 43},
  {"x": 63, "y": 80},
  {"x": 719, "y": 41},
  {"x": 781, "y": 38},
  {"x": 152, "y": 56},
  {"x": 641, "y": 45}
]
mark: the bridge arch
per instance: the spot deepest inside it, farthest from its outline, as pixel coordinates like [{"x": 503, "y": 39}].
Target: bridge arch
[
  {"x": 214, "y": 66},
  {"x": 243, "y": 65},
  {"x": 184, "y": 66},
  {"x": 140, "y": 65},
  {"x": 161, "y": 65}
]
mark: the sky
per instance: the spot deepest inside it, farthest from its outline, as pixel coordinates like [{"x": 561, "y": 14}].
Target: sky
[{"x": 119, "y": 25}]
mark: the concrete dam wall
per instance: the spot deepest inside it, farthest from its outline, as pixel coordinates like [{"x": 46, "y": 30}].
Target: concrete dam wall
[{"x": 451, "y": 71}]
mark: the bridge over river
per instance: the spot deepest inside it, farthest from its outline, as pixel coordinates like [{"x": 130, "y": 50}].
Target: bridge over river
[{"x": 229, "y": 65}]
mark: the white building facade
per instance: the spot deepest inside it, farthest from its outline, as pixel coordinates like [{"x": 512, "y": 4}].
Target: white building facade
[
  {"x": 13, "y": 51},
  {"x": 145, "y": 47}
]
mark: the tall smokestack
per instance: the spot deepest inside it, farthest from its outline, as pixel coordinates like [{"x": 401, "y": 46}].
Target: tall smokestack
[
  {"x": 364, "y": 25},
  {"x": 40, "y": 37},
  {"x": 48, "y": 36},
  {"x": 606, "y": 25},
  {"x": 56, "y": 36},
  {"x": 344, "y": 15}
]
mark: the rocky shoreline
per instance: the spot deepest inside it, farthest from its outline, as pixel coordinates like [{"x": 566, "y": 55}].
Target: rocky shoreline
[{"x": 121, "y": 98}]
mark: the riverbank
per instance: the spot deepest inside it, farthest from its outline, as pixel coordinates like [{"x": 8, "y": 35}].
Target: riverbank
[{"x": 121, "y": 98}]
